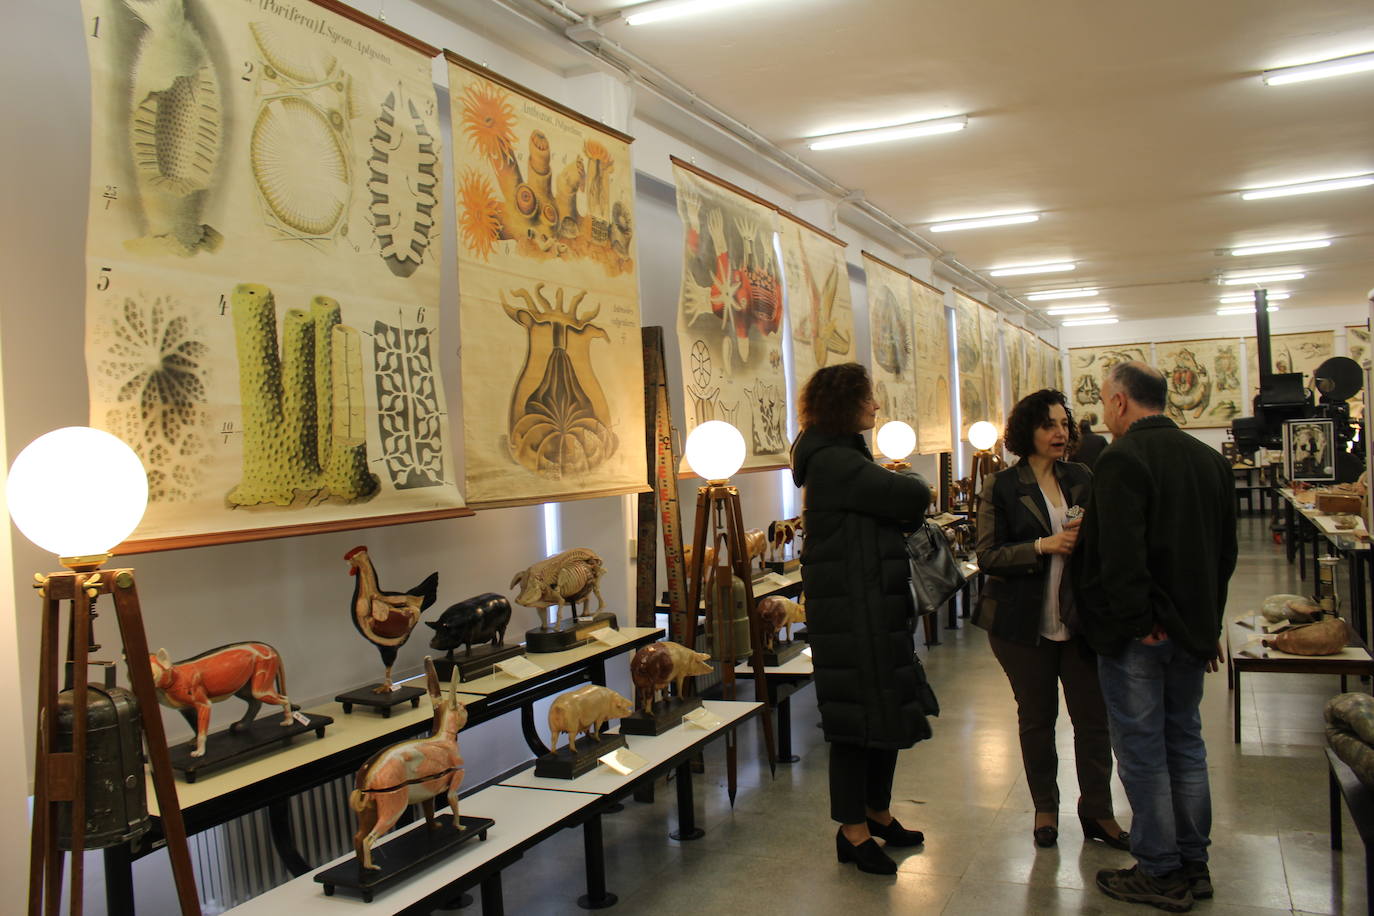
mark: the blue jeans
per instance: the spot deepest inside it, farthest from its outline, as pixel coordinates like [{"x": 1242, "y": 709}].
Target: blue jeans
[{"x": 1152, "y": 695}]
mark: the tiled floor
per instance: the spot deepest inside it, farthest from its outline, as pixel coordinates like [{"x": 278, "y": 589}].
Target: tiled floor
[{"x": 774, "y": 853}]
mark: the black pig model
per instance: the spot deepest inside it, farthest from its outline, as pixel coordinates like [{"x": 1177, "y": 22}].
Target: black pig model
[{"x": 476, "y": 620}]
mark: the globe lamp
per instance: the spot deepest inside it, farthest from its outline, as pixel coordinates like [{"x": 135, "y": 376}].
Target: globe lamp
[{"x": 715, "y": 450}]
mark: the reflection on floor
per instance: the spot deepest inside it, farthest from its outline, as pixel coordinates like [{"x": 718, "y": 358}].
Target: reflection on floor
[{"x": 774, "y": 852}]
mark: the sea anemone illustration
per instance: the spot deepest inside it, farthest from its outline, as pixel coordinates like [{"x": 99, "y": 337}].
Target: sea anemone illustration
[
  {"x": 479, "y": 213},
  {"x": 489, "y": 120},
  {"x": 595, "y": 150}
]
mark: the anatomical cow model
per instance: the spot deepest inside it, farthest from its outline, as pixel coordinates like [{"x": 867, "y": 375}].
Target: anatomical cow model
[{"x": 412, "y": 771}]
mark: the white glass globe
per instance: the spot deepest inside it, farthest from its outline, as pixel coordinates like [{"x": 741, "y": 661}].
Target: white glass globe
[
  {"x": 896, "y": 440},
  {"x": 982, "y": 435},
  {"x": 77, "y": 491},
  {"x": 715, "y": 450}
]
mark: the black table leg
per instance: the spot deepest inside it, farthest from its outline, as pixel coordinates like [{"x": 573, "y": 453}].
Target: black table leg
[
  {"x": 687, "y": 828},
  {"x": 1235, "y": 700},
  {"x": 493, "y": 904},
  {"x": 784, "y": 707},
  {"x": 119, "y": 881},
  {"x": 596, "y": 672},
  {"x": 527, "y": 727},
  {"x": 597, "y": 897},
  {"x": 279, "y": 820},
  {"x": 1290, "y": 531},
  {"x": 1333, "y": 791}
]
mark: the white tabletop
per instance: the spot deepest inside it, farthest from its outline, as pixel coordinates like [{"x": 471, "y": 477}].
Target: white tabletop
[
  {"x": 519, "y": 814},
  {"x": 653, "y": 748},
  {"x": 551, "y": 661},
  {"x": 800, "y": 666},
  {"x": 347, "y": 731},
  {"x": 1250, "y": 638}
]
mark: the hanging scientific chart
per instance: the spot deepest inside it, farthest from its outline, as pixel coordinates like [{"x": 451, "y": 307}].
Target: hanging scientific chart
[
  {"x": 553, "y": 400},
  {"x": 892, "y": 335},
  {"x": 1089, "y": 367},
  {"x": 263, "y": 286},
  {"x": 934, "y": 431},
  {"x": 1203, "y": 378},
  {"x": 818, "y": 305}
]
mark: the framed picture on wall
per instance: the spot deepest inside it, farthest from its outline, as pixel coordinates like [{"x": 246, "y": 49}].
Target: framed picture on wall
[{"x": 1309, "y": 450}]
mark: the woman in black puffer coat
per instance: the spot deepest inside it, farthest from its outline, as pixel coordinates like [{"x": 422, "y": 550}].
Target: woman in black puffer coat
[{"x": 870, "y": 687}]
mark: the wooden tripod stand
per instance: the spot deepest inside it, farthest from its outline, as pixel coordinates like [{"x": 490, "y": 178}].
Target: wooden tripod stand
[
  {"x": 60, "y": 777},
  {"x": 718, "y": 512}
]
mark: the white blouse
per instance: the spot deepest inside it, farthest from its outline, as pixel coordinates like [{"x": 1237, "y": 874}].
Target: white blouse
[{"x": 1051, "y": 626}]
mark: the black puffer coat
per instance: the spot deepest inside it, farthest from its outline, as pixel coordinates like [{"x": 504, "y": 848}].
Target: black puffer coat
[{"x": 870, "y": 687}]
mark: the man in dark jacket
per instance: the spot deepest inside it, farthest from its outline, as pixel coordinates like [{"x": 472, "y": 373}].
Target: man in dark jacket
[
  {"x": 1090, "y": 444},
  {"x": 1158, "y": 550}
]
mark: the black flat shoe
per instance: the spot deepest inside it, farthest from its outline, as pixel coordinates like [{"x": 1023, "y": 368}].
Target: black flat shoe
[
  {"x": 868, "y": 856},
  {"x": 1092, "y": 830},
  {"x": 1046, "y": 836},
  {"x": 894, "y": 834}
]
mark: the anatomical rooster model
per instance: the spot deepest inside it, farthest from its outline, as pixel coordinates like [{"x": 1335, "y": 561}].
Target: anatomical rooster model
[{"x": 386, "y": 619}]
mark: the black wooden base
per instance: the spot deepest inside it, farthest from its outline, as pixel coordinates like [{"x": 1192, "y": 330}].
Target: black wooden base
[
  {"x": 664, "y": 715},
  {"x": 225, "y": 748},
  {"x": 783, "y": 652},
  {"x": 403, "y": 856},
  {"x": 782, "y": 567},
  {"x": 568, "y": 633},
  {"x": 382, "y": 702},
  {"x": 480, "y": 663},
  {"x": 567, "y": 764}
]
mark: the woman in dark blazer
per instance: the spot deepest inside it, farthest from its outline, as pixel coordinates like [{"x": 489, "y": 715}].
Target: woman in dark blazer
[
  {"x": 870, "y": 688},
  {"x": 1028, "y": 517}
]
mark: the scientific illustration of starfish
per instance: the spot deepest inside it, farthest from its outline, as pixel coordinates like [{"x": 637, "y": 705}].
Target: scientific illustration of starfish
[{"x": 827, "y": 337}]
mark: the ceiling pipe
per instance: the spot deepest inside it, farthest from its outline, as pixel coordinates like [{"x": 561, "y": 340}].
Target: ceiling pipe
[{"x": 557, "y": 19}]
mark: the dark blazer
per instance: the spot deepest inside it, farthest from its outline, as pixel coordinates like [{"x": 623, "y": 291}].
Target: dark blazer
[
  {"x": 1011, "y": 515},
  {"x": 870, "y": 688},
  {"x": 1158, "y": 543}
]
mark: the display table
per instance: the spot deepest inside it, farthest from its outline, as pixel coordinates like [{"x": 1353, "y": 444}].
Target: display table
[
  {"x": 526, "y": 810},
  {"x": 1343, "y": 783},
  {"x": 1354, "y": 659},
  {"x": 1304, "y": 524},
  {"x": 782, "y": 681}
]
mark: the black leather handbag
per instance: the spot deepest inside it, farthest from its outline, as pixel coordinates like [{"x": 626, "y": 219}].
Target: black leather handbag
[{"x": 935, "y": 574}]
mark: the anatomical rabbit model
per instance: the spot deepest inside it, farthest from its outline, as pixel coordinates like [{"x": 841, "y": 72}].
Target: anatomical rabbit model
[{"x": 411, "y": 771}]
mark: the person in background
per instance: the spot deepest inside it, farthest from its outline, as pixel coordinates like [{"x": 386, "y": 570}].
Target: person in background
[
  {"x": 1090, "y": 444},
  {"x": 1158, "y": 551},
  {"x": 870, "y": 687},
  {"x": 1026, "y": 533}
]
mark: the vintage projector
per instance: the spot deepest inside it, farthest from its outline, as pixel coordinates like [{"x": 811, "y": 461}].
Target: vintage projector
[{"x": 1283, "y": 397}]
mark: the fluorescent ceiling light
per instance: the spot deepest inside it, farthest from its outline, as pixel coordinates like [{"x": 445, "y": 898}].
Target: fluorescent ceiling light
[
  {"x": 1292, "y": 245},
  {"x": 1243, "y": 310},
  {"x": 1081, "y": 322},
  {"x": 1044, "y": 267},
  {"x": 1248, "y": 297},
  {"x": 1308, "y": 187},
  {"x": 885, "y": 134},
  {"x": 980, "y": 222},
  {"x": 1271, "y": 277},
  {"x": 1049, "y": 295},
  {"x": 646, "y": 13},
  {"x": 1078, "y": 310},
  {"x": 1337, "y": 66}
]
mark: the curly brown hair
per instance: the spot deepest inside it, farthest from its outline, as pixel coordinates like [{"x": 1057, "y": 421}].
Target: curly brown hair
[
  {"x": 830, "y": 400},
  {"x": 1029, "y": 414}
]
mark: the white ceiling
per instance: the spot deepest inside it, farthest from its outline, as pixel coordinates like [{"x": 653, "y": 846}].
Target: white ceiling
[{"x": 1131, "y": 126}]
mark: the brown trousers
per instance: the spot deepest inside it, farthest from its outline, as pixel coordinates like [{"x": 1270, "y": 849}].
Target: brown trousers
[{"x": 1035, "y": 673}]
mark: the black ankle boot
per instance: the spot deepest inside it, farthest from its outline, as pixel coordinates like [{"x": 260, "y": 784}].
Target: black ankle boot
[
  {"x": 867, "y": 855},
  {"x": 894, "y": 834}
]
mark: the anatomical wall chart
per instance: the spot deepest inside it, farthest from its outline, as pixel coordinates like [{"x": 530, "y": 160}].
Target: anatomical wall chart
[
  {"x": 730, "y": 315},
  {"x": 980, "y": 365},
  {"x": 819, "y": 310},
  {"x": 892, "y": 334},
  {"x": 933, "y": 424},
  {"x": 263, "y": 285},
  {"x": 1088, "y": 366},
  {"x": 1300, "y": 352},
  {"x": 549, "y": 303},
  {"x": 1203, "y": 379}
]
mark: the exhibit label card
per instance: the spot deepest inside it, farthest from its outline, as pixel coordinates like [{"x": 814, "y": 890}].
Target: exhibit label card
[
  {"x": 609, "y": 636},
  {"x": 704, "y": 719},
  {"x": 519, "y": 668},
  {"x": 263, "y": 242},
  {"x": 623, "y": 761}
]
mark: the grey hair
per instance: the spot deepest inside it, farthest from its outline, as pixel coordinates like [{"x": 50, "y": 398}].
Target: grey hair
[{"x": 1143, "y": 384}]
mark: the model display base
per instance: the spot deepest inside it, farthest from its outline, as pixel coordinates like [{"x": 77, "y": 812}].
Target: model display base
[
  {"x": 783, "y": 652},
  {"x": 233, "y": 746},
  {"x": 403, "y": 856},
  {"x": 568, "y": 634},
  {"x": 782, "y": 567},
  {"x": 565, "y": 763},
  {"x": 662, "y": 716},
  {"x": 480, "y": 663},
  {"x": 382, "y": 702}
]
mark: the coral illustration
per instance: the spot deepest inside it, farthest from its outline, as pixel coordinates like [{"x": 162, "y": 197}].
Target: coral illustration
[
  {"x": 403, "y": 181},
  {"x": 152, "y": 374},
  {"x": 766, "y": 410},
  {"x": 479, "y": 214},
  {"x": 408, "y": 413},
  {"x": 297, "y": 448},
  {"x": 559, "y": 416}
]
